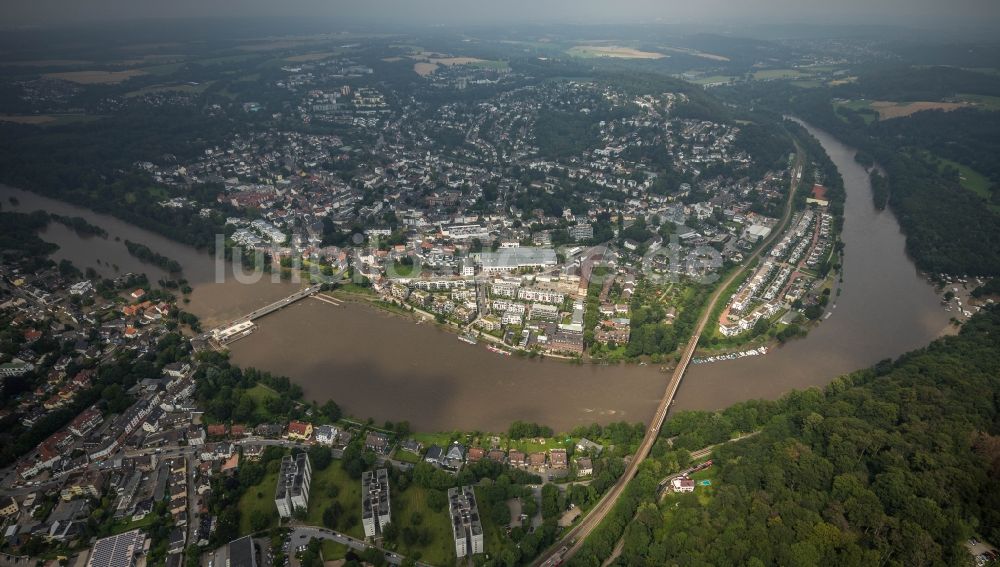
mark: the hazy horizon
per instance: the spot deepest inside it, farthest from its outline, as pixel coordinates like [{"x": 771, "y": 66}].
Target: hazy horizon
[{"x": 958, "y": 14}]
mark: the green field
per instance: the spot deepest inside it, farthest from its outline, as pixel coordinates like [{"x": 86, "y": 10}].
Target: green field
[
  {"x": 771, "y": 74},
  {"x": 970, "y": 178},
  {"x": 808, "y": 84},
  {"x": 348, "y": 494},
  {"x": 165, "y": 69},
  {"x": 532, "y": 446},
  {"x": 333, "y": 551},
  {"x": 440, "y": 550},
  {"x": 181, "y": 88},
  {"x": 711, "y": 79},
  {"x": 489, "y": 64},
  {"x": 261, "y": 393},
  {"x": 986, "y": 102},
  {"x": 259, "y": 499},
  {"x": 406, "y": 456},
  {"x": 860, "y": 106},
  {"x": 440, "y": 439}
]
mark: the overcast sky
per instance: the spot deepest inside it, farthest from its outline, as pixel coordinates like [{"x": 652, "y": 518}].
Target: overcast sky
[{"x": 915, "y": 13}]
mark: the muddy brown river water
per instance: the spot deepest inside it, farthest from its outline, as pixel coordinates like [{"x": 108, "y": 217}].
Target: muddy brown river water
[{"x": 383, "y": 366}]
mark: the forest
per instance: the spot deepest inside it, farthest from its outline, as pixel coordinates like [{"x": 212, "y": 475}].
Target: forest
[
  {"x": 146, "y": 254},
  {"x": 898, "y": 464},
  {"x": 950, "y": 228},
  {"x": 91, "y": 164}
]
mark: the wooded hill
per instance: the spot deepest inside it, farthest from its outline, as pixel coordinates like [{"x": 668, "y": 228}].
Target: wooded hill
[{"x": 894, "y": 465}]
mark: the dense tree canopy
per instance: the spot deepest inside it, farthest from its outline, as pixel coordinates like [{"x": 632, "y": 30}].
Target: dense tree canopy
[{"x": 895, "y": 465}]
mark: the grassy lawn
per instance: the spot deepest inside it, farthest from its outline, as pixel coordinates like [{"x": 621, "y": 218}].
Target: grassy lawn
[
  {"x": 260, "y": 393},
  {"x": 352, "y": 288},
  {"x": 533, "y": 446},
  {"x": 428, "y": 439},
  {"x": 251, "y": 503},
  {"x": 704, "y": 494},
  {"x": 441, "y": 550},
  {"x": 333, "y": 551},
  {"x": 970, "y": 178},
  {"x": 348, "y": 494},
  {"x": 406, "y": 456}
]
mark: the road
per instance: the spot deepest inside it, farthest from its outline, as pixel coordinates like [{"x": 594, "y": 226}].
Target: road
[
  {"x": 301, "y": 535},
  {"x": 572, "y": 542}
]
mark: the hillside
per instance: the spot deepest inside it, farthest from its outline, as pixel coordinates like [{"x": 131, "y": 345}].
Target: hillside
[{"x": 896, "y": 465}]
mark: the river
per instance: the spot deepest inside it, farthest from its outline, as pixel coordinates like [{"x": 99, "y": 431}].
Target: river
[
  {"x": 214, "y": 303},
  {"x": 382, "y": 366},
  {"x": 885, "y": 309}
]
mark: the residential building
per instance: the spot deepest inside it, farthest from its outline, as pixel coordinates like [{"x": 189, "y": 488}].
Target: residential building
[
  {"x": 378, "y": 442},
  {"x": 292, "y": 493},
  {"x": 8, "y": 507},
  {"x": 465, "y": 524},
  {"x": 241, "y": 553},
  {"x": 516, "y": 458},
  {"x": 120, "y": 550},
  {"x": 455, "y": 456},
  {"x": 326, "y": 434},
  {"x": 589, "y": 446},
  {"x": 375, "y": 509},
  {"x": 300, "y": 430},
  {"x": 537, "y": 460},
  {"x": 434, "y": 455},
  {"x": 682, "y": 484},
  {"x": 557, "y": 458}
]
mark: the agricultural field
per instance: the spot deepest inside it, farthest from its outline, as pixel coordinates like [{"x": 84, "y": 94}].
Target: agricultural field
[
  {"x": 423, "y": 69},
  {"x": 888, "y": 109},
  {"x": 774, "y": 74},
  {"x": 48, "y": 119},
  {"x": 712, "y": 80},
  {"x": 48, "y": 63},
  {"x": 696, "y": 53},
  {"x": 96, "y": 77},
  {"x": 190, "y": 88},
  {"x": 306, "y": 57},
  {"x": 427, "y": 63},
  {"x": 984, "y": 102},
  {"x": 613, "y": 51}
]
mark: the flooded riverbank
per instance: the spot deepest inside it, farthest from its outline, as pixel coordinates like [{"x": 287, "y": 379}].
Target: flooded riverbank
[
  {"x": 212, "y": 302},
  {"x": 386, "y": 367},
  {"x": 885, "y": 308}
]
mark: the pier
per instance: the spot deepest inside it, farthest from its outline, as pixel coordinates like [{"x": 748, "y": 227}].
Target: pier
[{"x": 244, "y": 326}]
